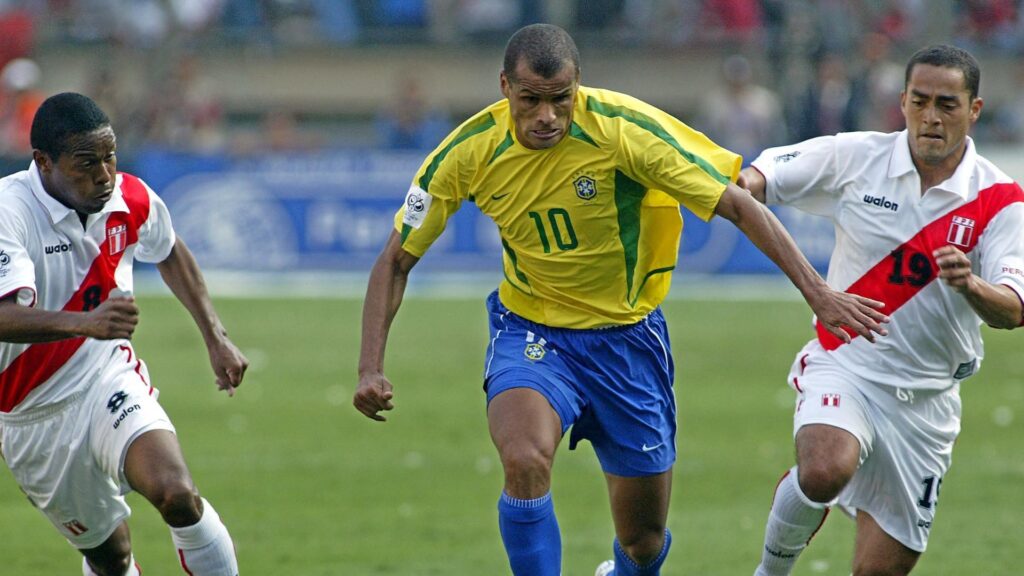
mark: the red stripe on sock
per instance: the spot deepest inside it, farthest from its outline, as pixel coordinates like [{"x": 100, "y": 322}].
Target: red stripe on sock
[
  {"x": 184, "y": 566},
  {"x": 823, "y": 517}
]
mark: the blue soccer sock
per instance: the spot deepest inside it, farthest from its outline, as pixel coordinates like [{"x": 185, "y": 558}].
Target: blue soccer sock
[
  {"x": 529, "y": 530},
  {"x": 626, "y": 566}
]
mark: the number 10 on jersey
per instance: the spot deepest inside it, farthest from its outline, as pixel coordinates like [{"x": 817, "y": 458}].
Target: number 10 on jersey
[{"x": 560, "y": 225}]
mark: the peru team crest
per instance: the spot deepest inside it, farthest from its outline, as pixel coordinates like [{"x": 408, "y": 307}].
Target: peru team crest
[
  {"x": 117, "y": 238},
  {"x": 960, "y": 231}
]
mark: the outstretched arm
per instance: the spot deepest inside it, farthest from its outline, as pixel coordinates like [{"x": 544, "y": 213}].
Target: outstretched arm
[
  {"x": 182, "y": 275},
  {"x": 114, "y": 318},
  {"x": 834, "y": 309},
  {"x": 384, "y": 294},
  {"x": 998, "y": 306}
]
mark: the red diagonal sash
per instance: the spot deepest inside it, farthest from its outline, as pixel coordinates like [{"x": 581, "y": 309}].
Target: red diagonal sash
[
  {"x": 880, "y": 282},
  {"x": 37, "y": 363}
]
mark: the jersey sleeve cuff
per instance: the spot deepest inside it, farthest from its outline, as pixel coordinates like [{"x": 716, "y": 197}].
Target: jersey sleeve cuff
[
  {"x": 23, "y": 295},
  {"x": 1020, "y": 297},
  {"x": 766, "y": 173}
]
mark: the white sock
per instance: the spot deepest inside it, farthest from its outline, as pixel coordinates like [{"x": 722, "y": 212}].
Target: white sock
[
  {"x": 205, "y": 548},
  {"x": 793, "y": 520},
  {"x": 133, "y": 570}
]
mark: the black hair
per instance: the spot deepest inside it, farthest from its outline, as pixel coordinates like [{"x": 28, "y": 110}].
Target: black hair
[
  {"x": 63, "y": 115},
  {"x": 946, "y": 56},
  {"x": 545, "y": 47}
]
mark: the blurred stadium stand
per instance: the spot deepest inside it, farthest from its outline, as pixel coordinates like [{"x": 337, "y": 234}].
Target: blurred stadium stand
[{"x": 283, "y": 133}]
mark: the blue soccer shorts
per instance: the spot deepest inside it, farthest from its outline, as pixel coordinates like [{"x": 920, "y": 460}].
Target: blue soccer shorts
[{"x": 611, "y": 386}]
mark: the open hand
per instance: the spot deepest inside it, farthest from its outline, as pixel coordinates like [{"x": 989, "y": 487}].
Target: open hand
[{"x": 863, "y": 316}]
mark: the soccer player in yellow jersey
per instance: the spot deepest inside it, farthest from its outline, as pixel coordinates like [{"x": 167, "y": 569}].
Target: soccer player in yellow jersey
[{"x": 585, "y": 187}]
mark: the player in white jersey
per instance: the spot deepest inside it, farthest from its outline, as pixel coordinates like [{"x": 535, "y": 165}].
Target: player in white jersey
[
  {"x": 79, "y": 422},
  {"x": 928, "y": 226}
]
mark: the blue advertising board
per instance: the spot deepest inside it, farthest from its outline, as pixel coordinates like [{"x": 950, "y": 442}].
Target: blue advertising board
[{"x": 333, "y": 211}]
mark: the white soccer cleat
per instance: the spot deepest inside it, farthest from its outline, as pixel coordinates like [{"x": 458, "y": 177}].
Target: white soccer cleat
[{"x": 605, "y": 568}]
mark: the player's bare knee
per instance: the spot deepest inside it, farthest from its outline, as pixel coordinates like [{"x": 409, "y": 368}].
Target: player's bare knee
[
  {"x": 821, "y": 481},
  {"x": 527, "y": 469},
  {"x": 179, "y": 504},
  {"x": 114, "y": 560}
]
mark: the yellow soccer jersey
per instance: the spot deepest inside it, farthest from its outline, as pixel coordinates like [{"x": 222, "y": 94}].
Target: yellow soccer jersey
[{"x": 590, "y": 227}]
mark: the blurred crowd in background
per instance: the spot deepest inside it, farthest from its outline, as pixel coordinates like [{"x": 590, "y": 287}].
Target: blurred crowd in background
[{"x": 833, "y": 63}]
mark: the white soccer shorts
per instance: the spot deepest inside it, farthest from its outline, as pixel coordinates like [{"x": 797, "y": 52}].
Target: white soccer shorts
[
  {"x": 68, "y": 457},
  {"x": 906, "y": 439}
]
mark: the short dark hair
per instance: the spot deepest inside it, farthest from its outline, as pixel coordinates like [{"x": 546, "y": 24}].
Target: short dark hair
[
  {"x": 63, "y": 115},
  {"x": 545, "y": 47},
  {"x": 946, "y": 56}
]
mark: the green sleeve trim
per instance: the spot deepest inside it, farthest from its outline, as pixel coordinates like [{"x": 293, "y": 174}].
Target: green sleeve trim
[
  {"x": 649, "y": 124},
  {"x": 406, "y": 229},
  {"x": 481, "y": 124},
  {"x": 505, "y": 145}
]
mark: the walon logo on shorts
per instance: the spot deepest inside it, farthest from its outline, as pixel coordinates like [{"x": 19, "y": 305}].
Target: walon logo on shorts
[{"x": 116, "y": 401}]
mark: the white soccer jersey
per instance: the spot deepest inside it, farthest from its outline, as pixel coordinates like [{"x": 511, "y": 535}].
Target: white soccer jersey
[
  {"x": 50, "y": 261},
  {"x": 886, "y": 230}
]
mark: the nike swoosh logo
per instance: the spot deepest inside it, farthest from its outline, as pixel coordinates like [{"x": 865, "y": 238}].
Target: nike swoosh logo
[
  {"x": 647, "y": 448},
  {"x": 499, "y": 196}
]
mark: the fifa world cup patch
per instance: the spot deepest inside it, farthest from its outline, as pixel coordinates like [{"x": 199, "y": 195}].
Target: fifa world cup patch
[
  {"x": 417, "y": 204},
  {"x": 783, "y": 158}
]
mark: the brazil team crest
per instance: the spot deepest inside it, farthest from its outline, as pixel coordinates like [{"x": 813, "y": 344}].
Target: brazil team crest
[
  {"x": 534, "y": 351},
  {"x": 586, "y": 187}
]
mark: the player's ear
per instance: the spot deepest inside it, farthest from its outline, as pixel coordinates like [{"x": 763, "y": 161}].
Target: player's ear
[
  {"x": 505, "y": 85},
  {"x": 42, "y": 160},
  {"x": 976, "y": 106}
]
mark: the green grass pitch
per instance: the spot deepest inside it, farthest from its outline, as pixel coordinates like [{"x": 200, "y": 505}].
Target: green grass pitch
[{"x": 309, "y": 487}]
